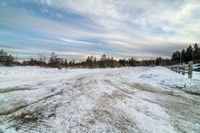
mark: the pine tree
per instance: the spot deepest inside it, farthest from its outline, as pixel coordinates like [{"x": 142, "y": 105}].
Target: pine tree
[
  {"x": 183, "y": 56},
  {"x": 5, "y": 59},
  {"x": 176, "y": 57},
  {"x": 52, "y": 60},
  {"x": 189, "y": 54},
  {"x": 158, "y": 61},
  {"x": 66, "y": 63},
  {"x": 131, "y": 62},
  {"x": 196, "y": 53},
  {"x": 102, "y": 63}
]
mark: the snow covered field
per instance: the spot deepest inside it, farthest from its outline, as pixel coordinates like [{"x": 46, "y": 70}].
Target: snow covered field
[{"x": 139, "y": 99}]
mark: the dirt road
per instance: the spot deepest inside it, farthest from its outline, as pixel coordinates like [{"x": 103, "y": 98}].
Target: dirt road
[{"x": 98, "y": 102}]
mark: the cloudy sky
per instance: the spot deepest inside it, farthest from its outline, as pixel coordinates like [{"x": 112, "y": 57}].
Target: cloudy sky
[{"x": 78, "y": 28}]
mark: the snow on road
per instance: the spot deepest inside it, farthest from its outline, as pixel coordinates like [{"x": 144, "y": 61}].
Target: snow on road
[{"x": 139, "y": 99}]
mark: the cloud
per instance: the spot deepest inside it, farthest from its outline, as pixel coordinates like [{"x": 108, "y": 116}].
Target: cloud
[{"x": 118, "y": 28}]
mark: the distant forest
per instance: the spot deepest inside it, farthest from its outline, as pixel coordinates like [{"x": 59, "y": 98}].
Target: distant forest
[
  {"x": 183, "y": 56},
  {"x": 186, "y": 55}
]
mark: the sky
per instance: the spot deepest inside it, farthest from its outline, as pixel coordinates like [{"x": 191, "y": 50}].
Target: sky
[{"x": 118, "y": 28}]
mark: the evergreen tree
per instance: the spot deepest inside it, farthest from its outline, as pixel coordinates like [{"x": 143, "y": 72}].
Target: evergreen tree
[
  {"x": 183, "y": 56},
  {"x": 5, "y": 59},
  {"x": 52, "y": 60},
  {"x": 158, "y": 61},
  {"x": 122, "y": 62},
  {"x": 176, "y": 57},
  {"x": 132, "y": 62},
  {"x": 196, "y": 53},
  {"x": 65, "y": 63},
  {"x": 90, "y": 62},
  {"x": 102, "y": 63},
  {"x": 189, "y": 54},
  {"x": 10, "y": 60}
]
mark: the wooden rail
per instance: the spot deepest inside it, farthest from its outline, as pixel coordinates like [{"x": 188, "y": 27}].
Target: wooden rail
[{"x": 183, "y": 68}]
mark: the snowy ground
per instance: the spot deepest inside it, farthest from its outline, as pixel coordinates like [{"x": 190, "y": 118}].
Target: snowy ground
[
  {"x": 196, "y": 75},
  {"x": 140, "y": 99}
]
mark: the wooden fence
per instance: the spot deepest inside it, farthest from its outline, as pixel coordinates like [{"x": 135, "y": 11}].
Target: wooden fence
[{"x": 183, "y": 69}]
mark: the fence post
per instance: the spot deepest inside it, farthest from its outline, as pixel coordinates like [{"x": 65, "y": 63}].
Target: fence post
[
  {"x": 183, "y": 70},
  {"x": 179, "y": 69},
  {"x": 190, "y": 69}
]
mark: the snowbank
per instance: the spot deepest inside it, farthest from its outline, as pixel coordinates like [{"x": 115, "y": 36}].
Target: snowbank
[{"x": 163, "y": 77}]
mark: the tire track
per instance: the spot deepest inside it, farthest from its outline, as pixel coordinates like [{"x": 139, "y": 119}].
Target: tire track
[
  {"x": 25, "y": 105},
  {"x": 7, "y": 90}
]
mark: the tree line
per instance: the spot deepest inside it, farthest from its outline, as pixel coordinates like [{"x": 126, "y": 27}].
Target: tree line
[
  {"x": 90, "y": 62},
  {"x": 93, "y": 62},
  {"x": 186, "y": 55}
]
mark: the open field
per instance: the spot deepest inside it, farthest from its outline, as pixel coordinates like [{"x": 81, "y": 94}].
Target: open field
[{"x": 139, "y": 99}]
